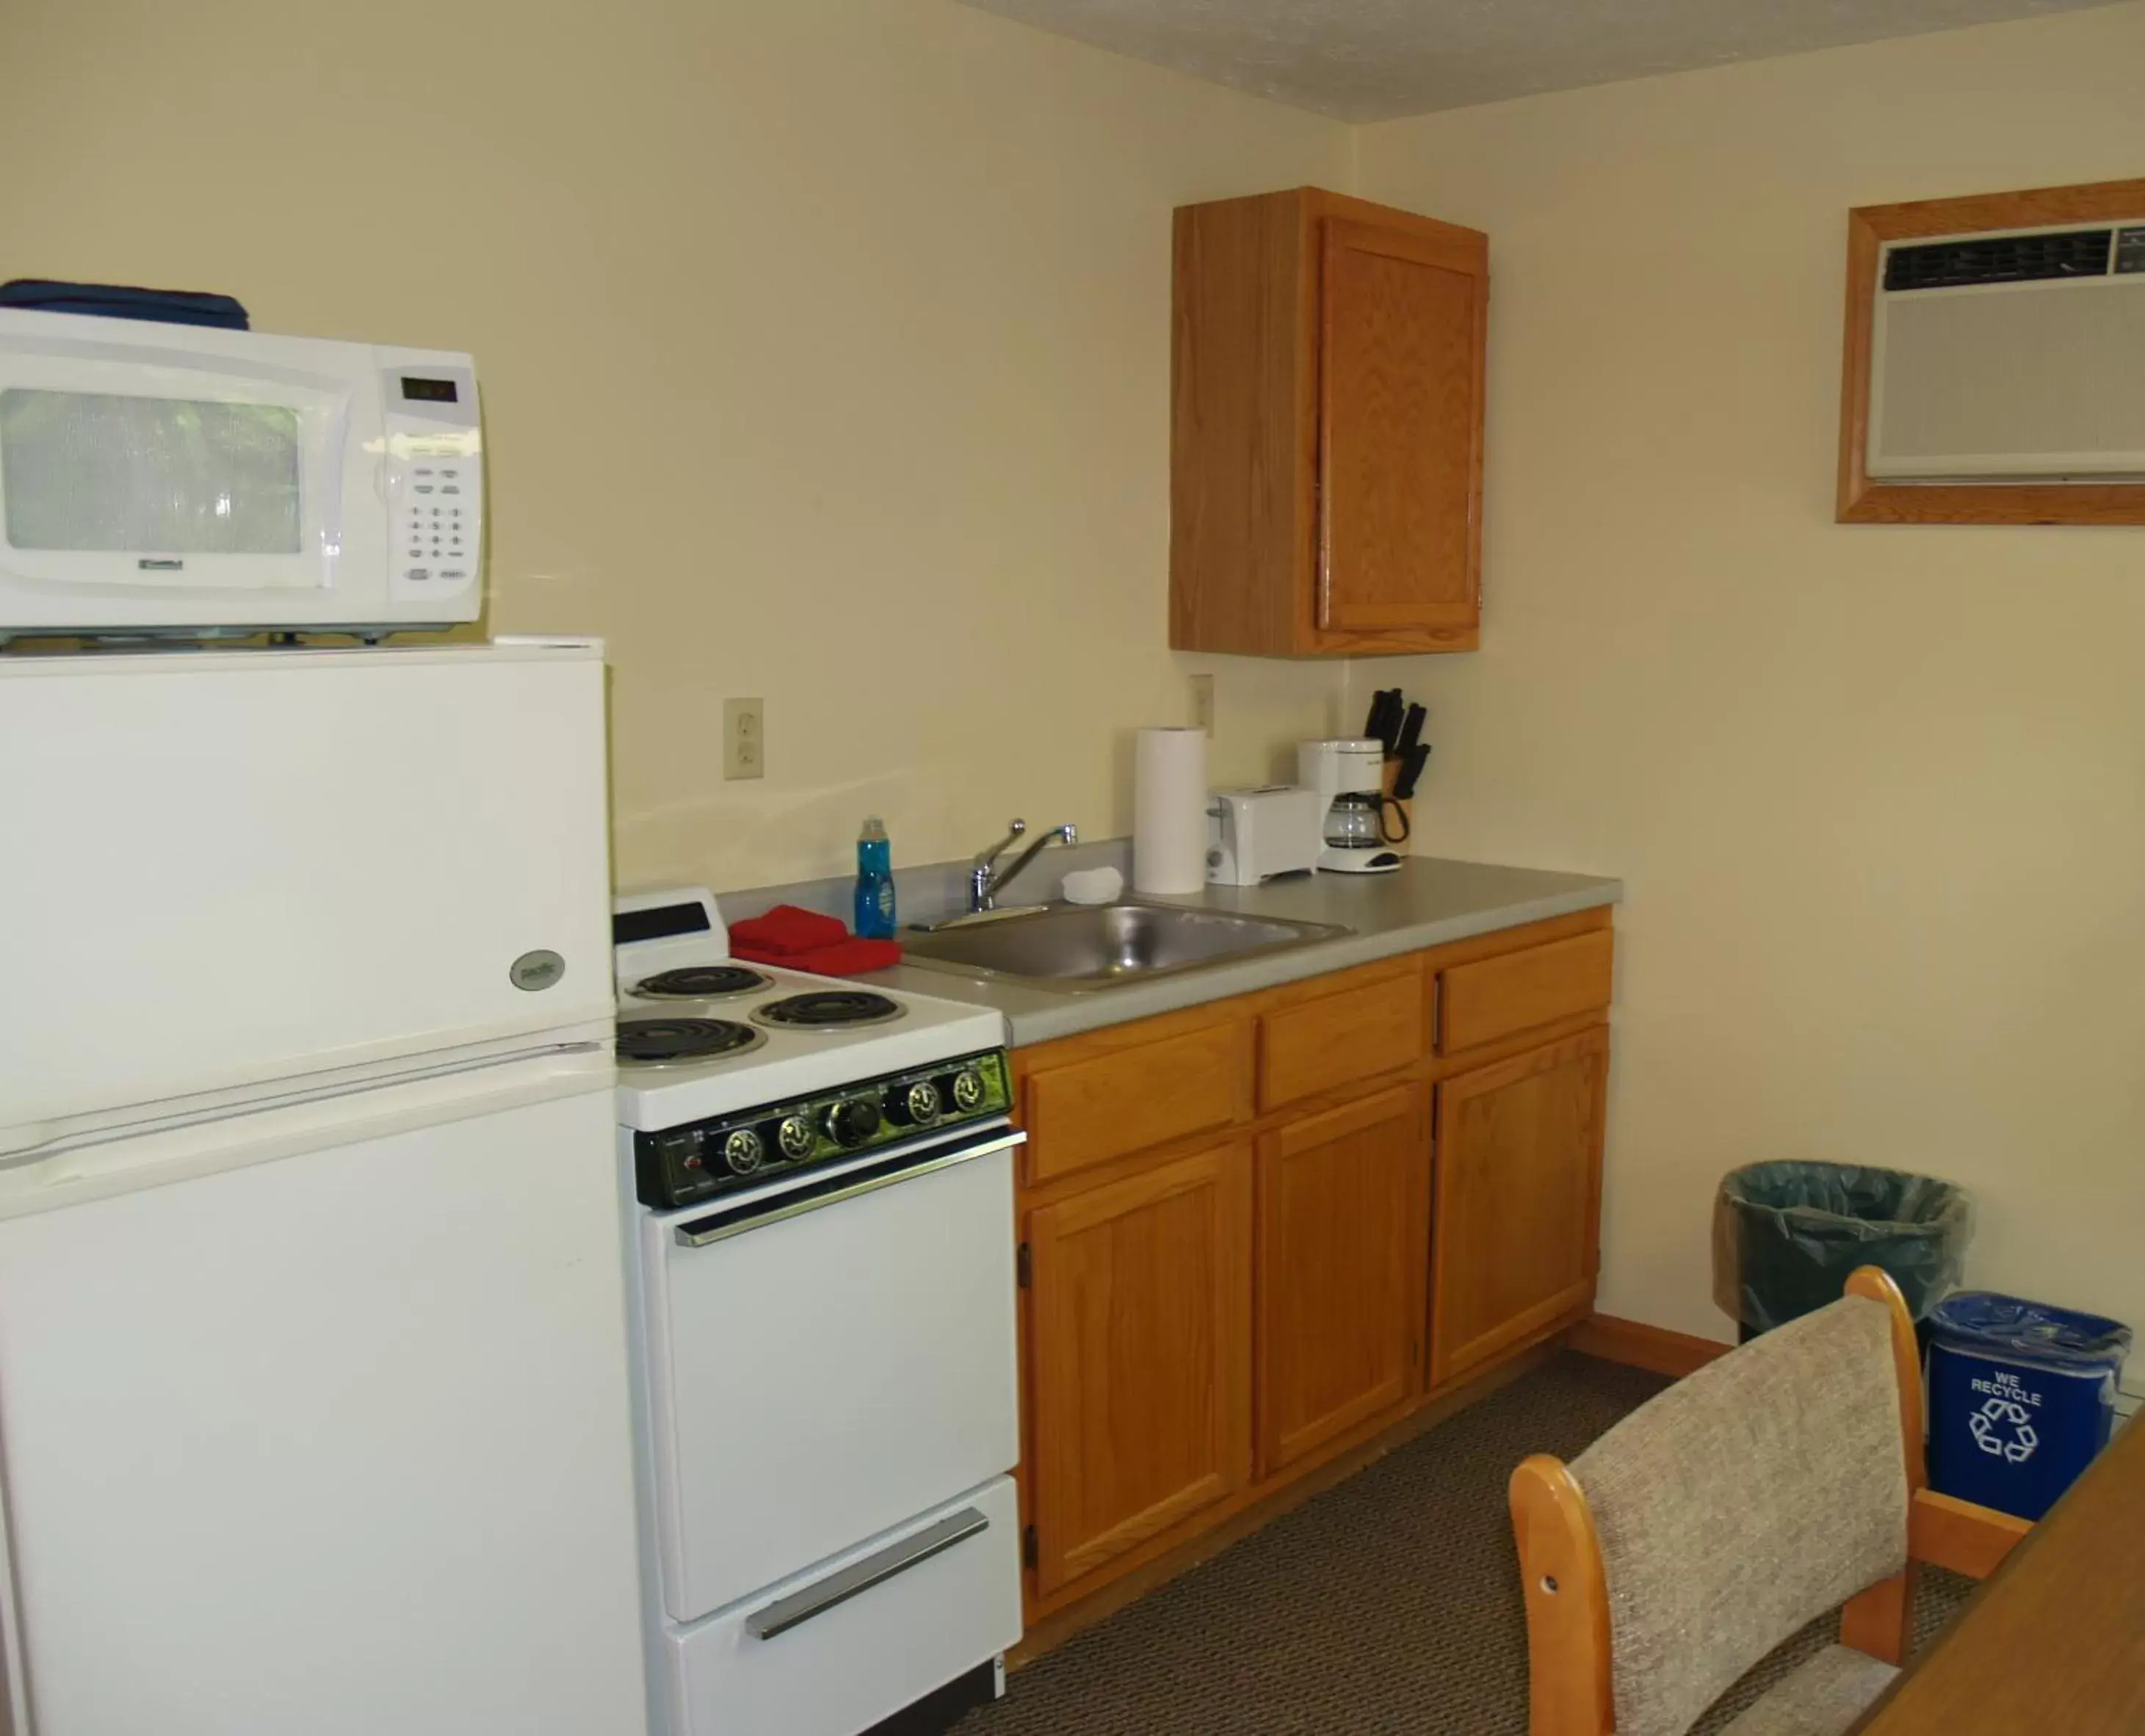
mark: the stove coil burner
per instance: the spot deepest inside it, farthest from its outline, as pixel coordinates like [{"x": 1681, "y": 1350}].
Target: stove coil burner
[
  {"x": 702, "y": 982},
  {"x": 829, "y": 1009},
  {"x": 656, "y": 1041}
]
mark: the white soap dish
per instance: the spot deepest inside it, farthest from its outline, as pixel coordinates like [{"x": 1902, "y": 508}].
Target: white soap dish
[{"x": 1093, "y": 886}]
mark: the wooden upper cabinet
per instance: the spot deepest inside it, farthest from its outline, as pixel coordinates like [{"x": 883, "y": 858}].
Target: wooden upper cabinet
[
  {"x": 1325, "y": 428},
  {"x": 1139, "y": 1365}
]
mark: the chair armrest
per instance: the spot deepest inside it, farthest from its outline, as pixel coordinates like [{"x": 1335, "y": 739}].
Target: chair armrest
[
  {"x": 1569, "y": 1692},
  {"x": 1946, "y": 1532}
]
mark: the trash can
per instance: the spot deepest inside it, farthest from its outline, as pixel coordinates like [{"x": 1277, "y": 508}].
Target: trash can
[
  {"x": 2022, "y": 1395},
  {"x": 1786, "y": 1235}
]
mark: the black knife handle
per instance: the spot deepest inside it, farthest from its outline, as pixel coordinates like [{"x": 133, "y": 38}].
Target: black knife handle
[
  {"x": 1411, "y": 772},
  {"x": 1383, "y": 725},
  {"x": 1410, "y": 731}
]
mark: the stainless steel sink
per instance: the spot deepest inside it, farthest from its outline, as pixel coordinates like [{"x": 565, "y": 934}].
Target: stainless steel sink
[{"x": 1080, "y": 947}]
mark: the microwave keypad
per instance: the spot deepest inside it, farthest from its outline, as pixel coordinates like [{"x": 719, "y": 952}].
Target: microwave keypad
[{"x": 438, "y": 537}]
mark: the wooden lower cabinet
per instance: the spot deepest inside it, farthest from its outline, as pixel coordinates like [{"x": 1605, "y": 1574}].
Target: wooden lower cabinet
[
  {"x": 1517, "y": 1210},
  {"x": 1249, "y": 1257},
  {"x": 1139, "y": 1365},
  {"x": 1342, "y": 1238}
]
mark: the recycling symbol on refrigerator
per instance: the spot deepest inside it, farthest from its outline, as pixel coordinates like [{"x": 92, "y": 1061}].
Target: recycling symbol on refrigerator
[{"x": 2004, "y": 1428}]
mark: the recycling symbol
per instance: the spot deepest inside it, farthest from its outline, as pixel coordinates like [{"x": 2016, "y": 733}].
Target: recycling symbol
[{"x": 2001, "y": 1427}]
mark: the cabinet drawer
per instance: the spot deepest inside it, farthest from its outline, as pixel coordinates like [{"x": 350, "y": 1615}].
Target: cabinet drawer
[
  {"x": 1144, "y": 1094},
  {"x": 1356, "y": 1034},
  {"x": 1496, "y": 998}
]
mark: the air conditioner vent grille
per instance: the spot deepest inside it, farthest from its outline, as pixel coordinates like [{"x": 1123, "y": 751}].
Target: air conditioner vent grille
[{"x": 1998, "y": 259}]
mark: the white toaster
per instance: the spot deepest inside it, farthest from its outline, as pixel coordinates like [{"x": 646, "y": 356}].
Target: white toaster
[{"x": 1254, "y": 834}]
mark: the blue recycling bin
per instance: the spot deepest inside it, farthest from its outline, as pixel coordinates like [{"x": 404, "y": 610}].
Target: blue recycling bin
[{"x": 2022, "y": 1396}]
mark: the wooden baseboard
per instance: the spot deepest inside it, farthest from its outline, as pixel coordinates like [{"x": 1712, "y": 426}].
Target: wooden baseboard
[
  {"x": 1053, "y": 1630},
  {"x": 1639, "y": 1345}
]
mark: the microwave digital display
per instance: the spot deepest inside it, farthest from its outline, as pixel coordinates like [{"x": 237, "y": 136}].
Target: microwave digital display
[{"x": 429, "y": 391}]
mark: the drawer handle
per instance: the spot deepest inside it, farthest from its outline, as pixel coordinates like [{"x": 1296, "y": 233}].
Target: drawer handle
[{"x": 799, "y": 1607}]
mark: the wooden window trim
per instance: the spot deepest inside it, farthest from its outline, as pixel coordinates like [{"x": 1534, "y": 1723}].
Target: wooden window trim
[{"x": 1864, "y": 502}]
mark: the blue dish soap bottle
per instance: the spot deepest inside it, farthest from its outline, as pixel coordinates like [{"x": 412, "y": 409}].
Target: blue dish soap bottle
[{"x": 874, "y": 881}]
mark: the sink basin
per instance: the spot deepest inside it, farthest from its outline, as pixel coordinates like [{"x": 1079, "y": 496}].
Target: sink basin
[{"x": 1081, "y": 946}]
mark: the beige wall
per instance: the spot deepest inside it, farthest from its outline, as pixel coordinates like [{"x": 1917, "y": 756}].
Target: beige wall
[
  {"x": 1878, "y": 793},
  {"x": 825, "y": 351},
  {"x": 824, "y": 345}
]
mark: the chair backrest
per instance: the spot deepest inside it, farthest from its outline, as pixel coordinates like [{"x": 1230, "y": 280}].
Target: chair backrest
[{"x": 1742, "y": 1503}]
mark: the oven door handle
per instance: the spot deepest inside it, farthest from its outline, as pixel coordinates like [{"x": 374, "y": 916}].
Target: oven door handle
[
  {"x": 799, "y": 1607},
  {"x": 780, "y": 1208}
]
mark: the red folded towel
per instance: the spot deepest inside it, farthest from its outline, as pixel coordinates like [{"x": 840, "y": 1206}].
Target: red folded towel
[
  {"x": 850, "y": 957},
  {"x": 804, "y": 940},
  {"x": 784, "y": 930}
]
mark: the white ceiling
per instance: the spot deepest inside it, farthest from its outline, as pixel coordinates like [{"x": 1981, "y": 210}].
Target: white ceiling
[{"x": 1370, "y": 60}]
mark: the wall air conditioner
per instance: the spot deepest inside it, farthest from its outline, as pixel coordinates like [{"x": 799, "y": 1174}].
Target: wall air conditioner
[{"x": 2014, "y": 355}]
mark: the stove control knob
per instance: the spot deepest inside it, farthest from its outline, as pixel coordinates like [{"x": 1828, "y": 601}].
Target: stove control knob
[
  {"x": 918, "y": 1106},
  {"x": 967, "y": 1091},
  {"x": 795, "y": 1138},
  {"x": 852, "y": 1120},
  {"x": 743, "y": 1151}
]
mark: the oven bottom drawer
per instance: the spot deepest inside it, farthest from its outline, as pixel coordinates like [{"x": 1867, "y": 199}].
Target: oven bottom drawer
[{"x": 833, "y": 1651}]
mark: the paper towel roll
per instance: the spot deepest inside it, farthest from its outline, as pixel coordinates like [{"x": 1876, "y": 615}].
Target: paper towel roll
[{"x": 1169, "y": 811}]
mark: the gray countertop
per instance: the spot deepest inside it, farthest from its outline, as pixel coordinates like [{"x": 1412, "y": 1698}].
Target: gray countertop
[{"x": 1426, "y": 902}]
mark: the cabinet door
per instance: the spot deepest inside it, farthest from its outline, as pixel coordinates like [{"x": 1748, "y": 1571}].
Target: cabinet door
[
  {"x": 1343, "y": 1246},
  {"x": 1140, "y": 1357},
  {"x": 1517, "y": 1214},
  {"x": 1403, "y": 321}
]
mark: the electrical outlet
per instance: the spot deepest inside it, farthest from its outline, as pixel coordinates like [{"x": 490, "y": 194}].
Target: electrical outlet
[
  {"x": 744, "y": 738},
  {"x": 1203, "y": 703}
]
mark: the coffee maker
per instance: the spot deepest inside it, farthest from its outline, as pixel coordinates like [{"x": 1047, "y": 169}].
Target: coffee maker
[{"x": 1349, "y": 775}]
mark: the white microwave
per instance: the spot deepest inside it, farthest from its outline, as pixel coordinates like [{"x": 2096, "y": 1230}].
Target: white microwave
[{"x": 162, "y": 479}]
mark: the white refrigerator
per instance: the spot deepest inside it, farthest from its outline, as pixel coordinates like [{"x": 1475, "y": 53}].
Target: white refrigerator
[{"x": 314, "y": 1414}]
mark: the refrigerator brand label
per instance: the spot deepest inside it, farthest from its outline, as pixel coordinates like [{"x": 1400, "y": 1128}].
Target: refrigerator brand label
[{"x": 537, "y": 970}]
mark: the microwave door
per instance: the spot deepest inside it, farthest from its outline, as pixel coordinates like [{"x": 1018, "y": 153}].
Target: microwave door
[{"x": 160, "y": 480}]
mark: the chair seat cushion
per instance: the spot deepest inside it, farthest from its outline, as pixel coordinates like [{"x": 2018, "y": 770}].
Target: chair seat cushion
[{"x": 1821, "y": 1697}]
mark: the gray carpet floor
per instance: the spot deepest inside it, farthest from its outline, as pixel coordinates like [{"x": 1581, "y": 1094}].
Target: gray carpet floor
[{"x": 1388, "y": 1604}]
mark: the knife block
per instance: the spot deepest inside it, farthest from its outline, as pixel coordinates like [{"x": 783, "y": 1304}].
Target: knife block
[{"x": 1387, "y": 779}]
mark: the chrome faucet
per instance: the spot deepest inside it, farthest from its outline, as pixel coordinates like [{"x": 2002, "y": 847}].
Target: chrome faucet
[{"x": 986, "y": 880}]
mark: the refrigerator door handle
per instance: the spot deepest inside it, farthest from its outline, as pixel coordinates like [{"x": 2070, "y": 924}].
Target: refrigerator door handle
[
  {"x": 303, "y": 1096},
  {"x": 876, "y": 1569}
]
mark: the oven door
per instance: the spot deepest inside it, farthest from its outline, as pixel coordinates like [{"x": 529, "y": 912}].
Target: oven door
[{"x": 829, "y": 1362}]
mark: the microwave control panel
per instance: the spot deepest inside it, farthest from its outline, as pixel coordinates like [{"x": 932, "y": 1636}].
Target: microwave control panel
[{"x": 435, "y": 480}]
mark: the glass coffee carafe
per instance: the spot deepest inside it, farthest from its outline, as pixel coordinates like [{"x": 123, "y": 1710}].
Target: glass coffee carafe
[{"x": 1351, "y": 823}]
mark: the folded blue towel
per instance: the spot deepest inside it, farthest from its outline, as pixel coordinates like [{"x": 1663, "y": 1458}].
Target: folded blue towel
[{"x": 116, "y": 301}]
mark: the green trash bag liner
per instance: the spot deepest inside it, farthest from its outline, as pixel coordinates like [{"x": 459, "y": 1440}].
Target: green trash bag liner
[{"x": 1785, "y": 1236}]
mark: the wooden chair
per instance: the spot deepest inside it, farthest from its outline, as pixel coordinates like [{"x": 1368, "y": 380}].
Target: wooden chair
[{"x": 1778, "y": 1482}]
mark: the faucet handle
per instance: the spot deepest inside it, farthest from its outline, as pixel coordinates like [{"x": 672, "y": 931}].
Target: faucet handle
[{"x": 1015, "y": 830}]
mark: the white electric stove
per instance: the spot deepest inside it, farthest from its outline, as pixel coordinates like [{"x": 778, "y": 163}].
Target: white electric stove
[
  {"x": 703, "y": 1034},
  {"x": 823, "y": 1245}
]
